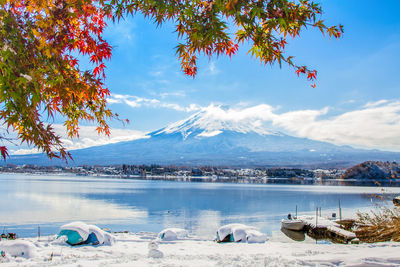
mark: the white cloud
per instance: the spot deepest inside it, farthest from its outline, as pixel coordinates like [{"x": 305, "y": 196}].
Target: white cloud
[
  {"x": 120, "y": 33},
  {"x": 132, "y": 101},
  {"x": 174, "y": 94},
  {"x": 113, "y": 101},
  {"x": 156, "y": 73},
  {"x": 88, "y": 137},
  {"x": 371, "y": 126},
  {"x": 376, "y": 103},
  {"x": 137, "y": 102},
  {"x": 263, "y": 112},
  {"x": 24, "y": 151},
  {"x": 298, "y": 121},
  {"x": 375, "y": 125},
  {"x": 213, "y": 70}
]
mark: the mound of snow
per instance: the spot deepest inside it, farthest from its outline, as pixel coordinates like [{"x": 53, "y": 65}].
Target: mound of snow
[
  {"x": 18, "y": 248},
  {"x": 58, "y": 240},
  {"x": 109, "y": 239},
  {"x": 237, "y": 232},
  {"x": 155, "y": 253},
  {"x": 171, "y": 234},
  {"x": 153, "y": 250}
]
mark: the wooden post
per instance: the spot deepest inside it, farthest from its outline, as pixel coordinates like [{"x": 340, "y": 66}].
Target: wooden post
[
  {"x": 316, "y": 218},
  {"x": 340, "y": 211}
]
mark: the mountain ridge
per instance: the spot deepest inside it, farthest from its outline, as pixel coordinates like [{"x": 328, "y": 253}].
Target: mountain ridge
[{"x": 207, "y": 138}]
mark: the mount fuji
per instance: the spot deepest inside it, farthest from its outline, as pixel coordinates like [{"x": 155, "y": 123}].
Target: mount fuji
[{"x": 207, "y": 138}]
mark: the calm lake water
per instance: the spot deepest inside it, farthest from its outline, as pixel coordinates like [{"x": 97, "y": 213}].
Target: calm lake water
[{"x": 29, "y": 201}]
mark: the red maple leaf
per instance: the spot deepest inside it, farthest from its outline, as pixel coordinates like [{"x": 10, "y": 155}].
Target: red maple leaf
[
  {"x": 4, "y": 152},
  {"x": 301, "y": 70},
  {"x": 232, "y": 50},
  {"x": 191, "y": 71},
  {"x": 311, "y": 75}
]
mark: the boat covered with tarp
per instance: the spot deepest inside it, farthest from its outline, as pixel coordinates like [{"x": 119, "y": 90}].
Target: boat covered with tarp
[
  {"x": 78, "y": 233},
  {"x": 237, "y": 232}
]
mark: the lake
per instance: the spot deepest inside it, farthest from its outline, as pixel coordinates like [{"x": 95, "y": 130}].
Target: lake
[{"x": 28, "y": 201}]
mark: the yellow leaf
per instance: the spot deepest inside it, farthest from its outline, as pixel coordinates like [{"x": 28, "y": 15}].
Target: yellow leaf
[
  {"x": 47, "y": 52},
  {"x": 35, "y": 32}
]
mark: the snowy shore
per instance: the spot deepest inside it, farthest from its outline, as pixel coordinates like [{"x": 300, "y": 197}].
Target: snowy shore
[{"x": 133, "y": 249}]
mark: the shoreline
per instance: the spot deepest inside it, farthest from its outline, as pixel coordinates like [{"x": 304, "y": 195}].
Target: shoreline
[
  {"x": 232, "y": 180},
  {"x": 132, "y": 249}
]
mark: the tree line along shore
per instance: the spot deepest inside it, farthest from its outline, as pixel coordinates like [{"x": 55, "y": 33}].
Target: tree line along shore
[{"x": 366, "y": 173}]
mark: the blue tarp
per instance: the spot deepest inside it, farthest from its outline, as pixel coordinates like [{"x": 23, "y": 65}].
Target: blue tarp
[
  {"x": 74, "y": 238},
  {"x": 92, "y": 239}
]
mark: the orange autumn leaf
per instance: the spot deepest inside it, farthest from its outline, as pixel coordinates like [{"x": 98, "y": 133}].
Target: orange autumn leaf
[{"x": 45, "y": 37}]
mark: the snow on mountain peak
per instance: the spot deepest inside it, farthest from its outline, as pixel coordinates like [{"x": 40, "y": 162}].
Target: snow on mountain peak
[{"x": 213, "y": 120}]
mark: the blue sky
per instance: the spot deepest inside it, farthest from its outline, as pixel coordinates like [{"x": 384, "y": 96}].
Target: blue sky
[
  {"x": 356, "y": 100},
  {"x": 359, "y": 68}
]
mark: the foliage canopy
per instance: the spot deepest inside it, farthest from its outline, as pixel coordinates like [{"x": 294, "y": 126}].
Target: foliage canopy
[{"x": 40, "y": 40}]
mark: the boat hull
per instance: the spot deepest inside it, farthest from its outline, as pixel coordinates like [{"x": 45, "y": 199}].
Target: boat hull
[
  {"x": 294, "y": 225},
  {"x": 294, "y": 235}
]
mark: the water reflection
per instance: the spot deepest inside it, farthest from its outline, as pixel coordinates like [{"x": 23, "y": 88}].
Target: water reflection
[
  {"x": 207, "y": 223},
  {"x": 153, "y": 205},
  {"x": 35, "y": 208}
]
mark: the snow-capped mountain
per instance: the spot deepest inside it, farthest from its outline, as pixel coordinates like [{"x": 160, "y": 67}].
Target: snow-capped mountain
[
  {"x": 212, "y": 137},
  {"x": 209, "y": 122}
]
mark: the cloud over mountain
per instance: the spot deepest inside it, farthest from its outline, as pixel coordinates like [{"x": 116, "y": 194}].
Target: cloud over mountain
[
  {"x": 220, "y": 135},
  {"x": 375, "y": 125}
]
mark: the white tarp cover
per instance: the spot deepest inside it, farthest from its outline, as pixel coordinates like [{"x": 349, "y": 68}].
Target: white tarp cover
[
  {"x": 171, "y": 234},
  {"x": 18, "y": 248},
  {"x": 254, "y": 236},
  {"x": 81, "y": 227},
  {"x": 98, "y": 232},
  {"x": 241, "y": 233},
  {"x": 85, "y": 230}
]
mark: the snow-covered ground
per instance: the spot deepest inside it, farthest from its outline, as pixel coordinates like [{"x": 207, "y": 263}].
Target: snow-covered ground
[{"x": 137, "y": 249}]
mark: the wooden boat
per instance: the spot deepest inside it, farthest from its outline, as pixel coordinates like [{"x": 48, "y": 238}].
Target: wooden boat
[
  {"x": 293, "y": 224},
  {"x": 294, "y": 235}
]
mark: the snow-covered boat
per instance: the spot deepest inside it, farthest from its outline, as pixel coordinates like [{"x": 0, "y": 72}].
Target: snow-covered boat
[
  {"x": 237, "y": 232},
  {"x": 293, "y": 224},
  {"x": 78, "y": 233}
]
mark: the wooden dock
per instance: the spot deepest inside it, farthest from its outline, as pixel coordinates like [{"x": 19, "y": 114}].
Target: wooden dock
[{"x": 322, "y": 228}]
